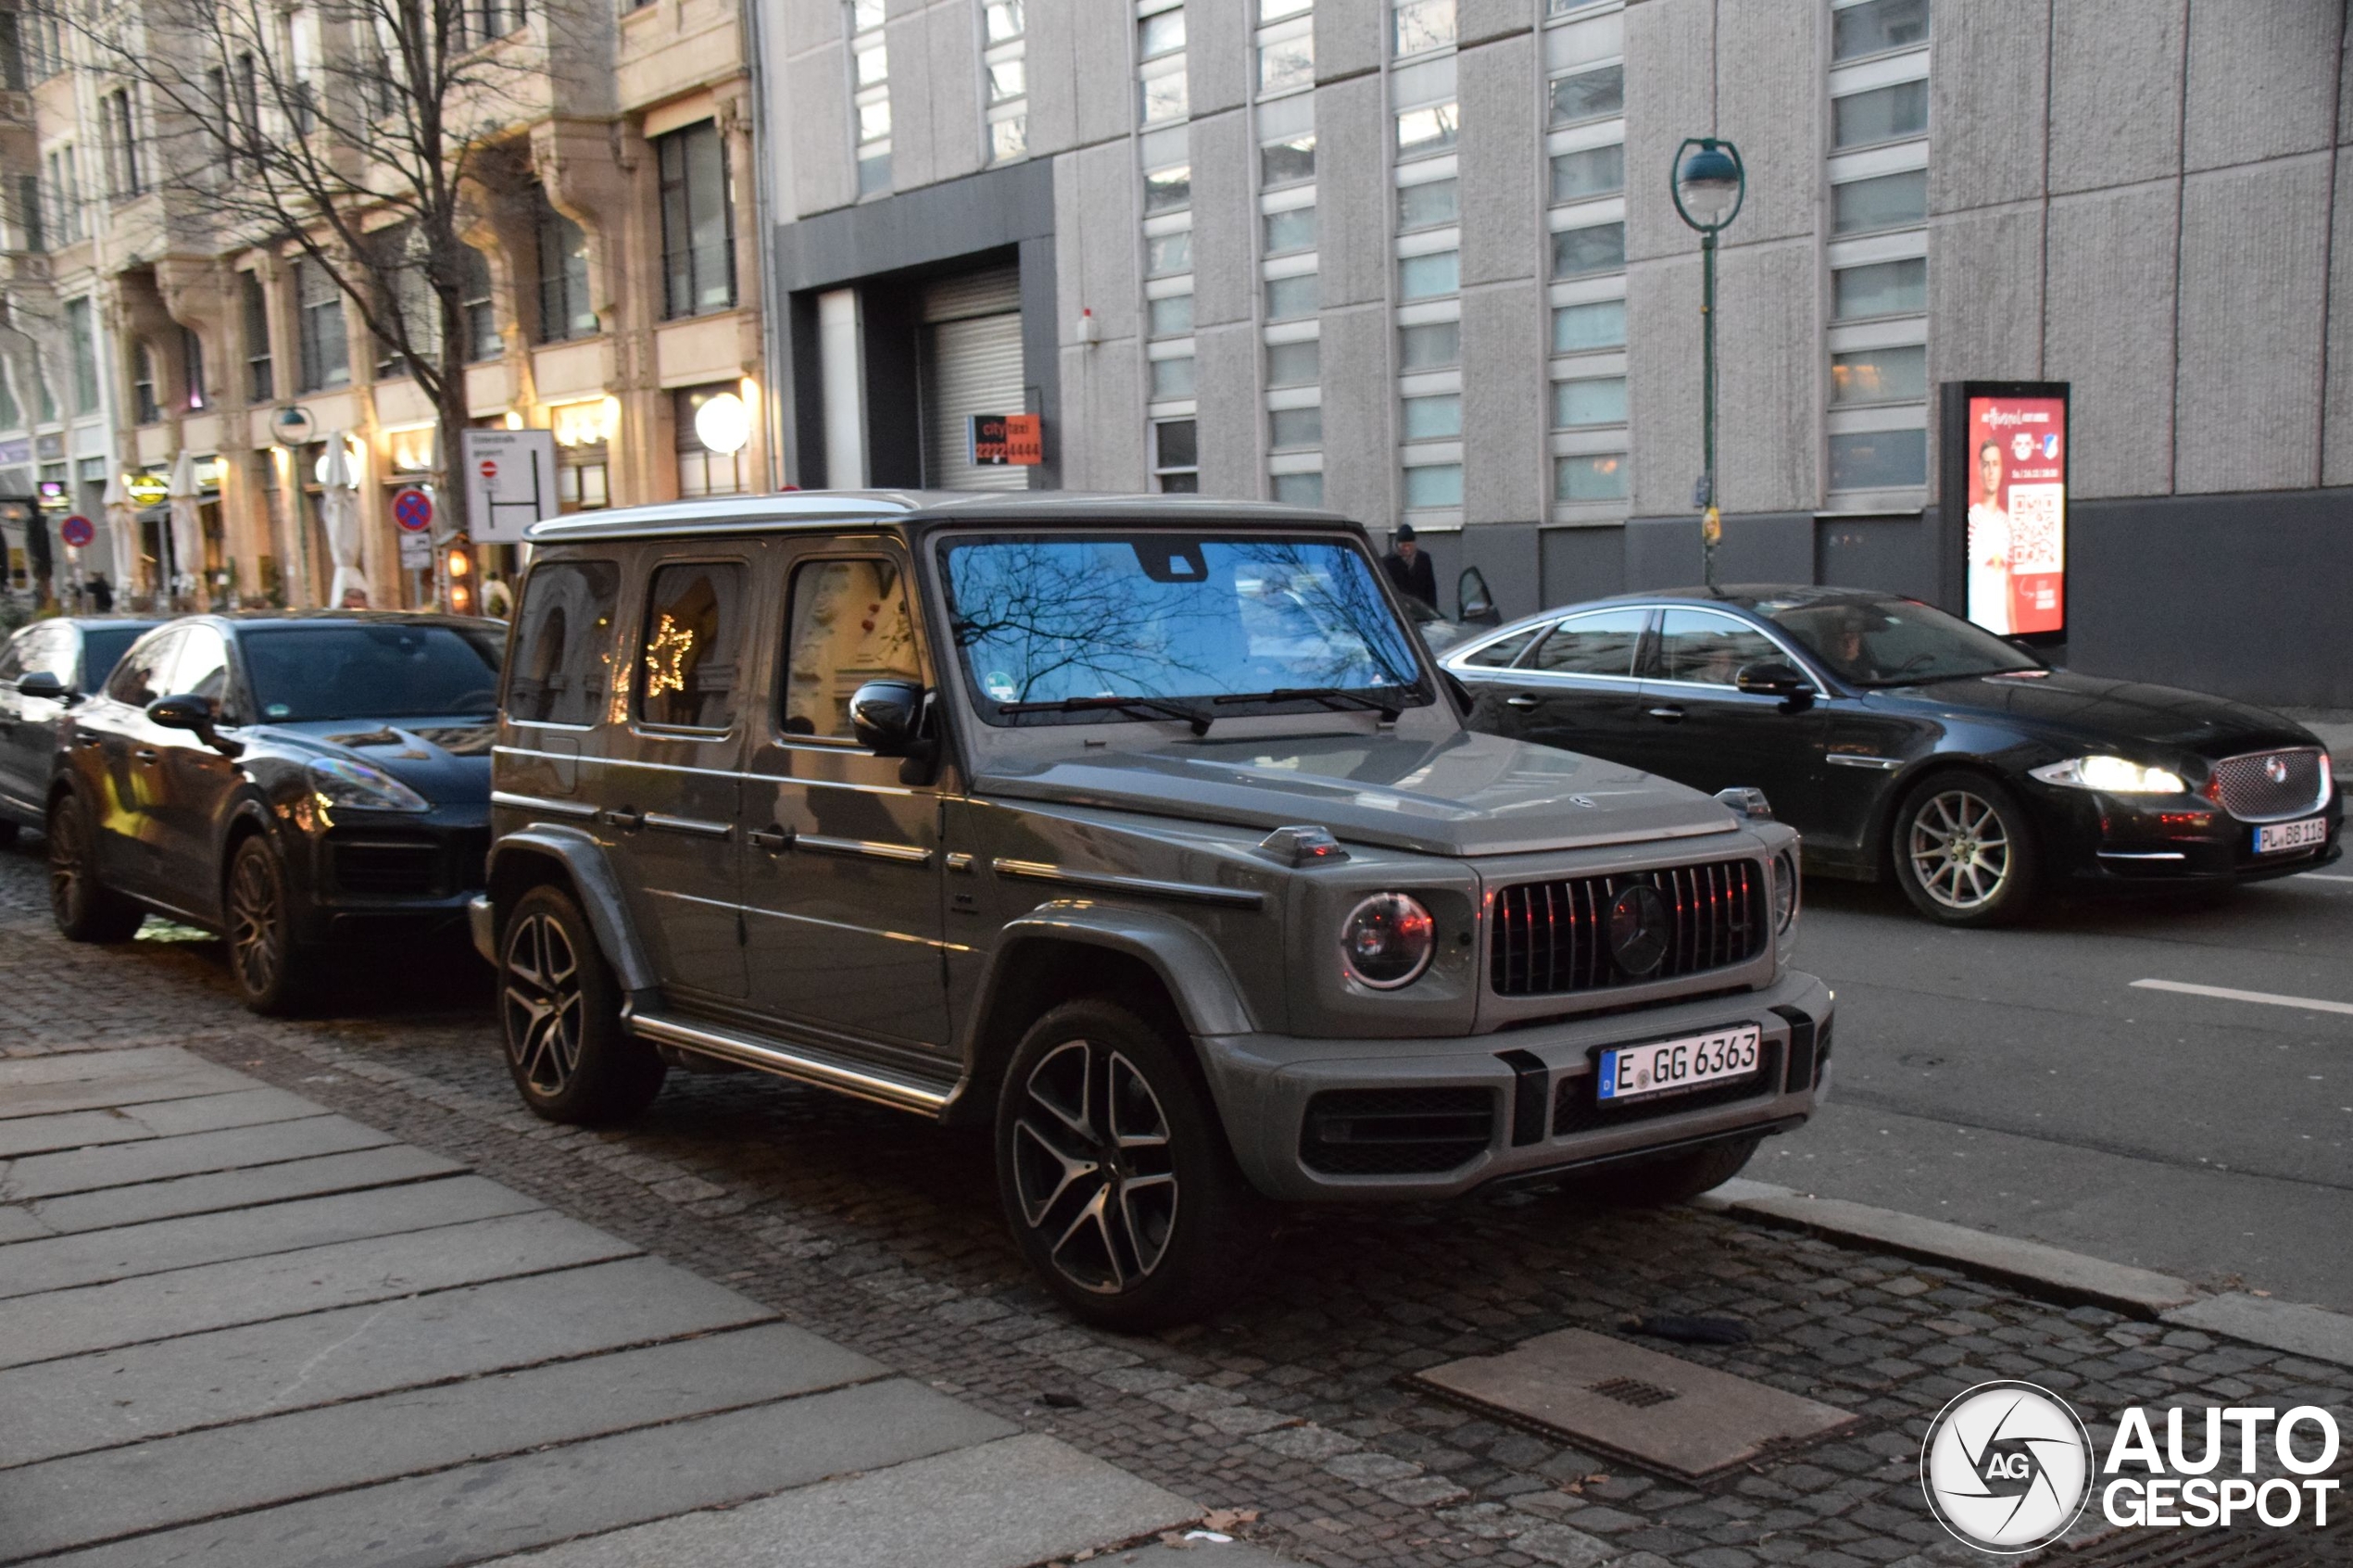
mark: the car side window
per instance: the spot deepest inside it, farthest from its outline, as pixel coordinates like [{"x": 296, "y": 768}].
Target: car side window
[
  {"x": 138, "y": 679},
  {"x": 561, "y": 671},
  {"x": 51, "y": 647},
  {"x": 12, "y": 654},
  {"x": 850, "y": 624},
  {"x": 1710, "y": 649},
  {"x": 690, "y": 663},
  {"x": 200, "y": 666},
  {"x": 1503, "y": 651},
  {"x": 1602, "y": 642}
]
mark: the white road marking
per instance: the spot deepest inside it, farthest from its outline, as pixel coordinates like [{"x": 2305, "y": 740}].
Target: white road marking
[
  {"x": 2324, "y": 876},
  {"x": 2269, "y": 999}
]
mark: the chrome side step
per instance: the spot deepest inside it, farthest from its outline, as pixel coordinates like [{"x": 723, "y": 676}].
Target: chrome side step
[{"x": 823, "y": 1068}]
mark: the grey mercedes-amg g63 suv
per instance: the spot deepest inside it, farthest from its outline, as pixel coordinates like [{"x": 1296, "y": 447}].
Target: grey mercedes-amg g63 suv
[{"x": 1143, "y": 829}]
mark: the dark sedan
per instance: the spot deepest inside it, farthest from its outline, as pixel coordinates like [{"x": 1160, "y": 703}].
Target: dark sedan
[
  {"x": 295, "y": 782},
  {"x": 45, "y": 669},
  {"x": 1903, "y": 741}
]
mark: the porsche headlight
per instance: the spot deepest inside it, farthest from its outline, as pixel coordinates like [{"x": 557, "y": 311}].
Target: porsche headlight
[
  {"x": 1386, "y": 941},
  {"x": 341, "y": 782},
  {"x": 2112, "y": 774}
]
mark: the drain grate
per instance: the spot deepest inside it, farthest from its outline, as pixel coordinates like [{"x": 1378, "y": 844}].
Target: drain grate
[
  {"x": 2154, "y": 1549},
  {"x": 1634, "y": 1391}
]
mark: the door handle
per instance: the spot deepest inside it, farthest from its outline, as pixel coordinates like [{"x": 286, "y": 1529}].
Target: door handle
[
  {"x": 1522, "y": 701},
  {"x": 145, "y": 754},
  {"x": 770, "y": 837},
  {"x": 1668, "y": 712},
  {"x": 627, "y": 819}
]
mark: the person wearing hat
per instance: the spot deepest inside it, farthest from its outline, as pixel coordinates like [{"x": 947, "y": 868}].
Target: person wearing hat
[{"x": 1409, "y": 568}]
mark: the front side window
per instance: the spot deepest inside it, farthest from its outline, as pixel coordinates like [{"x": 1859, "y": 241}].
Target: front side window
[
  {"x": 1704, "y": 648},
  {"x": 200, "y": 666},
  {"x": 1873, "y": 641},
  {"x": 561, "y": 672},
  {"x": 697, "y": 222},
  {"x": 850, "y": 624},
  {"x": 139, "y": 679},
  {"x": 691, "y": 658},
  {"x": 383, "y": 670},
  {"x": 1600, "y": 643},
  {"x": 1086, "y": 622}
]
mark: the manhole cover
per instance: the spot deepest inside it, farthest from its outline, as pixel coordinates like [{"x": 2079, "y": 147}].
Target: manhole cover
[{"x": 1604, "y": 1394}]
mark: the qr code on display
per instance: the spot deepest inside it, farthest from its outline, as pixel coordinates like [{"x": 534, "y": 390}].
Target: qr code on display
[{"x": 2036, "y": 541}]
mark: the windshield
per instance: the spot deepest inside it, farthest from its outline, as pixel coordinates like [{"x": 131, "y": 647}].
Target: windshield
[
  {"x": 1161, "y": 616},
  {"x": 1887, "y": 642},
  {"x": 390, "y": 671}
]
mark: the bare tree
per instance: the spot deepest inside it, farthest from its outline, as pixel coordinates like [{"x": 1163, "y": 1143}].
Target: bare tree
[{"x": 363, "y": 135}]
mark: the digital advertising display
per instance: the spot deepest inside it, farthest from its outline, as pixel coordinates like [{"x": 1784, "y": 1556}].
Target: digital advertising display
[{"x": 2005, "y": 460}]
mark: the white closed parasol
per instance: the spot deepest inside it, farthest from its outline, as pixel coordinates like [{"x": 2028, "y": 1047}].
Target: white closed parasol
[
  {"x": 339, "y": 515},
  {"x": 187, "y": 532}
]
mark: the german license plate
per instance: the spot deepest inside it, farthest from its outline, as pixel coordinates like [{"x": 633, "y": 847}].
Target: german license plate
[
  {"x": 2274, "y": 837},
  {"x": 1664, "y": 1067}
]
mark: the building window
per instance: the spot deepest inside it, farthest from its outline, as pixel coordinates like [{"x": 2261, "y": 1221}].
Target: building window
[
  {"x": 697, "y": 223},
  {"x": 1417, "y": 27},
  {"x": 564, "y": 311},
  {"x": 1600, "y": 324},
  {"x": 1167, "y": 255},
  {"x": 122, "y": 144},
  {"x": 260, "y": 371},
  {"x": 1295, "y": 428},
  {"x": 1290, "y": 228},
  {"x": 1589, "y": 477},
  {"x": 1588, "y": 172},
  {"x": 1175, "y": 458},
  {"x": 1429, "y": 277},
  {"x": 145, "y": 409},
  {"x": 1172, "y": 378},
  {"x": 1880, "y": 288},
  {"x": 27, "y": 216},
  {"x": 1297, "y": 363},
  {"x": 63, "y": 188},
  {"x": 476, "y": 303},
  {"x": 1294, "y": 298},
  {"x": 1430, "y": 345},
  {"x": 1437, "y": 417},
  {"x": 1879, "y": 375},
  {"x": 1433, "y": 204},
  {"x": 1162, "y": 89},
  {"x": 1880, "y": 202},
  {"x": 1426, "y": 132},
  {"x": 81, "y": 346},
  {"x": 1004, "y": 79},
  {"x": 1600, "y": 247},
  {"x": 702, "y": 468},
  {"x": 324, "y": 350},
  {"x": 1433, "y": 485},
  {"x": 192, "y": 367},
  {"x": 1585, "y": 152},
  {"x": 1592, "y": 400},
  {"x": 1879, "y": 459},
  {"x": 870, "y": 95},
  {"x": 1304, "y": 489},
  {"x": 1169, "y": 316},
  {"x": 1876, "y": 27},
  {"x": 1168, "y": 189},
  {"x": 1880, "y": 114}
]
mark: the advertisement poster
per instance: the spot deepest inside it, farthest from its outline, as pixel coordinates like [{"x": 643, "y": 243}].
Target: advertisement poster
[{"x": 2016, "y": 541}]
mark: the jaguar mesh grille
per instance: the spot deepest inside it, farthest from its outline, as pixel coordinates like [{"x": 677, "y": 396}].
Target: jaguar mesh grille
[
  {"x": 1553, "y": 936},
  {"x": 2243, "y": 785}
]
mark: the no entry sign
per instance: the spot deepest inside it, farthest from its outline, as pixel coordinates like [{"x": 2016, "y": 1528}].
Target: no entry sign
[
  {"x": 77, "y": 531},
  {"x": 412, "y": 509}
]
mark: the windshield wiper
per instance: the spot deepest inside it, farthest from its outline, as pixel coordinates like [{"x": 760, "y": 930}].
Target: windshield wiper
[
  {"x": 1346, "y": 699},
  {"x": 1192, "y": 713}
]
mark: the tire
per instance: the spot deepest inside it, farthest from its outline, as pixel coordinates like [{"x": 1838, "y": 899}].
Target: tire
[
  {"x": 1177, "y": 1230},
  {"x": 272, "y": 972},
  {"x": 560, "y": 1013},
  {"x": 1963, "y": 850},
  {"x": 1676, "y": 1178},
  {"x": 85, "y": 909}
]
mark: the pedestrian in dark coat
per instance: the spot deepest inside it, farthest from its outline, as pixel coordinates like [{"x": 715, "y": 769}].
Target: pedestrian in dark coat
[{"x": 1409, "y": 568}]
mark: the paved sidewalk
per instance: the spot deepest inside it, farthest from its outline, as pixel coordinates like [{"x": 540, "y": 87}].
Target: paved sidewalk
[{"x": 238, "y": 1329}]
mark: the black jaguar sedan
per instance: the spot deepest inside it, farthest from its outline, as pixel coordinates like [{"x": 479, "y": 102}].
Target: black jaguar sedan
[
  {"x": 1903, "y": 741},
  {"x": 299, "y": 783}
]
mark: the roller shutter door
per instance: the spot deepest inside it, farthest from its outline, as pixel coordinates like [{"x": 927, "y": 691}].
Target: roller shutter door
[{"x": 971, "y": 364}]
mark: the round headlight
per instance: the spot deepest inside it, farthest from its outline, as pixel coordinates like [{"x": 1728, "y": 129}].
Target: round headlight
[
  {"x": 1784, "y": 891},
  {"x": 1386, "y": 941}
]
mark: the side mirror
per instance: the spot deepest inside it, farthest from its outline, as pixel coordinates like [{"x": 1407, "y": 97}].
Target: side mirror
[
  {"x": 1773, "y": 678},
  {"x": 886, "y": 716},
  {"x": 43, "y": 683},
  {"x": 1477, "y": 604},
  {"x": 193, "y": 713}
]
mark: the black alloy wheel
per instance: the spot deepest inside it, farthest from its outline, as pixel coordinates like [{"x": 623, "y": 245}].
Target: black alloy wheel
[
  {"x": 264, "y": 959},
  {"x": 1962, "y": 850},
  {"x": 83, "y": 907},
  {"x": 1115, "y": 1175},
  {"x": 559, "y": 1010}
]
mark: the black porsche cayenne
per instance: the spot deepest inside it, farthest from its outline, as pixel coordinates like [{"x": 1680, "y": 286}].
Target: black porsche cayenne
[
  {"x": 1903, "y": 741},
  {"x": 296, "y": 783}
]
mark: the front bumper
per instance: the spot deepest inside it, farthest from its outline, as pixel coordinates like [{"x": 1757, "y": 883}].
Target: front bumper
[
  {"x": 2171, "y": 840},
  {"x": 1532, "y": 1086},
  {"x": 370, "y": 879}
]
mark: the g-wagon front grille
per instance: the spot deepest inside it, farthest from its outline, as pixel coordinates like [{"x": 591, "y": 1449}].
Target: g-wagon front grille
[
  {"x": 2245, "y": 788},
  {"x": 1554, "y": 936},
  {"x": 1396, "y": 1132}
]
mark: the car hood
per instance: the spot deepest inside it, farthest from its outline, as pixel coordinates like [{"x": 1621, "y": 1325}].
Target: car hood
[
  {"x": 447, "y": 760},
  {"x": 2071, "y": 707},
  {"x": 1463, "y": 793}
]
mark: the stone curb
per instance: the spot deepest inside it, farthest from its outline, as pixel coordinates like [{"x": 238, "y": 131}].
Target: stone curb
[{"x": 2051, "y": 1271}]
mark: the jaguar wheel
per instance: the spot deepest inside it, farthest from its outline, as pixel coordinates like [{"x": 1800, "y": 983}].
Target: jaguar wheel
[
  {"x": 559, "y": 1010},
  {"x": 270, "y": 968},
  {"x": 1115, "y": 1175},
  {"x": 1962, "y": 850},
  {"x": 85, "y": 909}
]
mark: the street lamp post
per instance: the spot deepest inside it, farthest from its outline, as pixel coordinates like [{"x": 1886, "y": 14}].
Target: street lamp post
[{"x": 1709, "y": 183}]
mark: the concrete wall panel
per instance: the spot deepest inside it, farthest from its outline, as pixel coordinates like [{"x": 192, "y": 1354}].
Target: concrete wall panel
[
  {"x": 1482, "y": 21},
  {"x": 1225, "y": 233},
  {"x": 2253, "y": 318},
  {"x": 2108, "y": 302},
  {"x": 1497, "y": 90},
  {"x": 1103, "y": 415},
  {"x": 2262, "y": 80},
  {"x": 1226, "y": 370},
  {"x": 2336, "y": 466},
  {"x": 1986, "y": 92},
  {"x": 1769, "y": 377},
  {"x": 1351, "y": 192},
  {"x": 1510, "y": 555},
  {"x": 1359, "y": 471},
  {"x": 1095, "y": 225},
  {"x": 1217, "y": 54},
  {"x": 1666, "y": 99},
  {"x": 1769, "y": 94},
  {"x": 1350, "y": 37},
  {"x": 1664, "y": 552},
  {"x": 1503, "y": 413},
  {"x": 1580, "y": 563},
  {"x": 1985, "y": 296},
  {"x": 809, "y": 23},
  {"x": 2116, "y": 93},
  {"x": 954, "y": 68},
  {"x": 1102, "y": 54},
  {"x": 825, "y": 171},
  {"x": 1663, "y": 371},
  {"x": 915, "y": 103},
  {"x": 1048, "y": 45}
]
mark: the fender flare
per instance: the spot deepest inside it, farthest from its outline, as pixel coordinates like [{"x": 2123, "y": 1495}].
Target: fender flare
[
  {"x": 1208, "y": 999},
  {"x": 596, "y": 886}
]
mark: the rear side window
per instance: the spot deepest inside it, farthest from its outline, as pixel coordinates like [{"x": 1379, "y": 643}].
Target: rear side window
[
  {"x": 561, "y": 672},
  {"x": 1501, "y": 652},
  {"x": 690, "y": 661},
  {"x": 1594, "y": 644},
  {"x": 136, "y": 679}
]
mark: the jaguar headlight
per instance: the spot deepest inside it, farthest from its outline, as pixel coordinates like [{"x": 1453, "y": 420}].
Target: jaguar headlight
[
  {"x": 1386, "y": 941},
  {"x": 1785, "y": 892},
  {"x": 2112, "y": 774},
  {"x": 340, "y": 782}
]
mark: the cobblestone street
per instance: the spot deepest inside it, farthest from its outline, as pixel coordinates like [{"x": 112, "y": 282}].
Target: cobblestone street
[{"x": 883, "y": 1234}]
